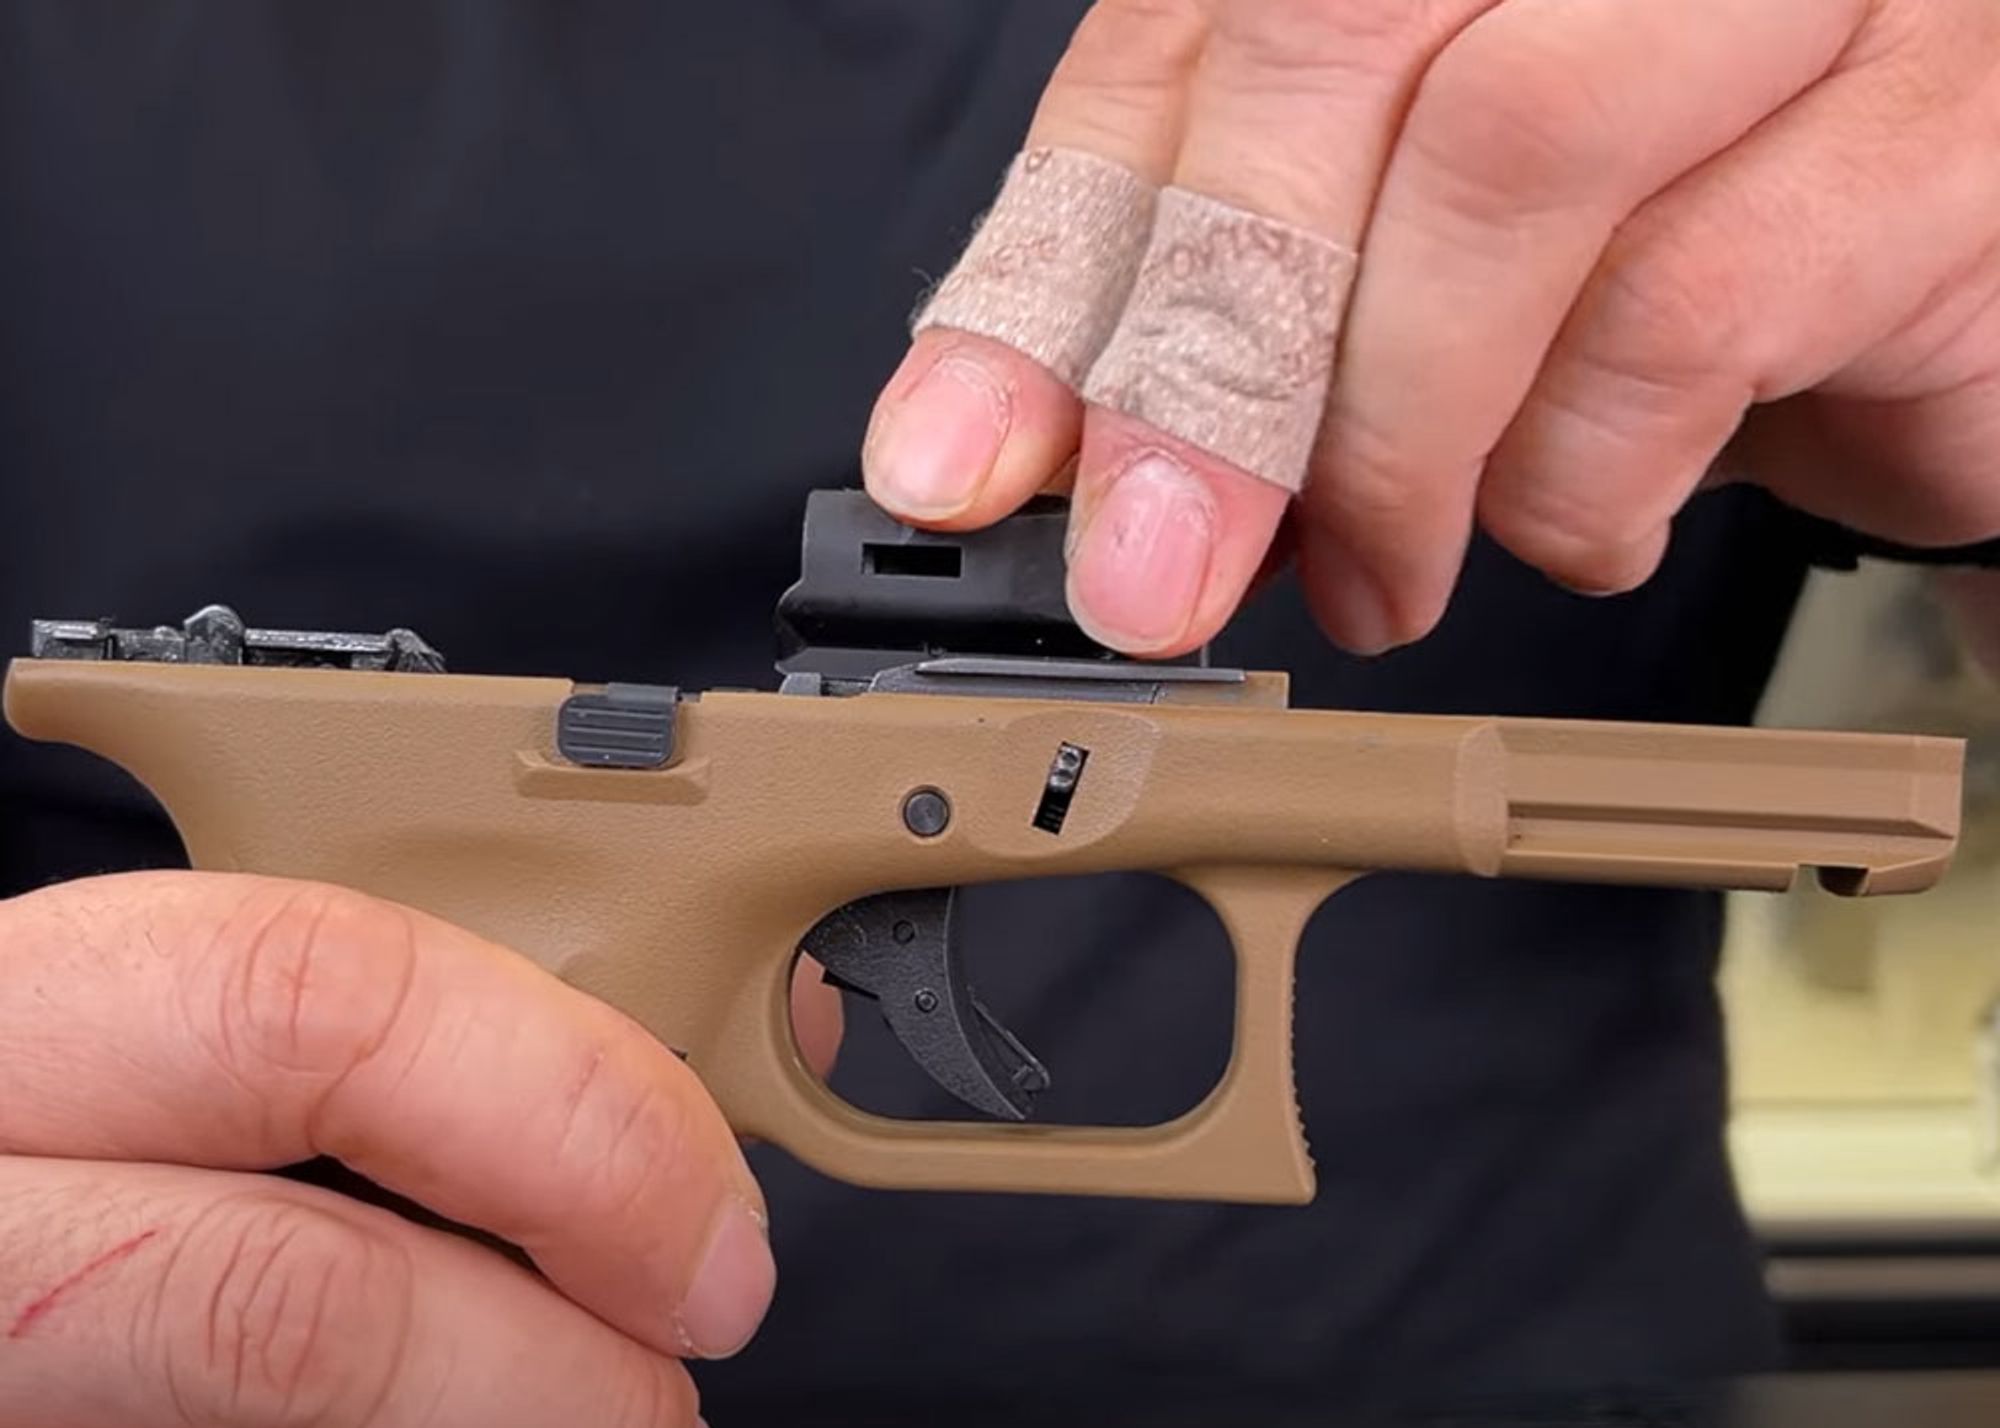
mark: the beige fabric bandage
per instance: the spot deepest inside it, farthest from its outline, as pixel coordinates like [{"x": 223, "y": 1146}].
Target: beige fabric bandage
[
  {"x": 1048, "y": 271},
  {"x": 1227, "y": 339}
]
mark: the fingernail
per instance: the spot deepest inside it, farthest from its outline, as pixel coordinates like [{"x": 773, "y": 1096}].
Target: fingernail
[
  {"x": 935, "y": 448},
  {"x": 1140, "y": 562},
  {"x": 1589, "y": 591},
  {"x": 1356, "y": 613},
  {"x": 731, "y": 1289}
]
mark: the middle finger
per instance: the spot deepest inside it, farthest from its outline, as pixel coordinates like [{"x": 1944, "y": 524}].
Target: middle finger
[{"x": 1291, "y": 116}]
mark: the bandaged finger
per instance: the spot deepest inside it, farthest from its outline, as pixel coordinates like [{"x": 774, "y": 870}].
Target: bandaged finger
[
  {"x": 1227, "y": 337},
  {"x": 1051, "y": 264}
]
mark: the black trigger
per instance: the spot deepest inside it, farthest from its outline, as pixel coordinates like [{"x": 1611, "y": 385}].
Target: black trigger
[
  {"x": 896, "y": 949},
  {"x": 834, "y": 979}
]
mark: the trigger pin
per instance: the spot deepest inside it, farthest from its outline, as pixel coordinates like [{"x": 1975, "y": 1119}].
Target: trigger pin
[{"x": 926, "y": 812}]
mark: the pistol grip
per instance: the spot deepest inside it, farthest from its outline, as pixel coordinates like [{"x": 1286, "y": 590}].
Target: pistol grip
[{"x": 1243, "y": 1142}]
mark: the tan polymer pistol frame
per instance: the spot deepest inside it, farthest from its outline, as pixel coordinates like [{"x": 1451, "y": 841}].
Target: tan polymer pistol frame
[{"x": 671, "y": 853}]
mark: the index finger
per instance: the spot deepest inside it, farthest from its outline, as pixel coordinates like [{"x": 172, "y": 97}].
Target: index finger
[
  {"x": 969, "y": 426},
  {"x": 240, "y": 1022}
]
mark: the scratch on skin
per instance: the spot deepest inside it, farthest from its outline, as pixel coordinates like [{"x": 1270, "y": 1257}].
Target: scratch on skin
[{"x": 29, "y": 1316}]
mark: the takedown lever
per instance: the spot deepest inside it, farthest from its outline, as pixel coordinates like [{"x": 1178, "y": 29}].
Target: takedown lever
[{"x": 896, "y": 948}]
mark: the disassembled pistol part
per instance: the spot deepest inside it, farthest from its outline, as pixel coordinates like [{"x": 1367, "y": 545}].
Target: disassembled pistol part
[
  {"x": 673, "y": 854},
  {"x": 215, "y": 634}
]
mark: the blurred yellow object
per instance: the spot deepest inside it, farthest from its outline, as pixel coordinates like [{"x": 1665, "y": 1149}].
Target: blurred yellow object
[{"x": 1864, "y": 1043}]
